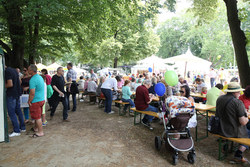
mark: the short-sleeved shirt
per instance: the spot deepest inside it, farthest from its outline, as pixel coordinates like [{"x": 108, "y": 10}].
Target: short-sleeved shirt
[
  {"x": 229, "y": 118},
  {"x": 126, "y": 93},
  {"x": 212, "y": 96},
  {"x": 110, "y": 83},
  {"x": 142, "y": 98},
  {"x": 15, "y": 90},
  {"x": 246, "y": 101},
  {"x": 59, "y": 82},
  {"x": 71, "y": 74},
  {"x": 48, "y": 79},
  {"x": 37, "y": 83},
  {"x": 92, "y": 86}
]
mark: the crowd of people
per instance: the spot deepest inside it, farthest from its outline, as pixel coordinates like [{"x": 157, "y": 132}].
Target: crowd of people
[{"x": 231, "y": 102}]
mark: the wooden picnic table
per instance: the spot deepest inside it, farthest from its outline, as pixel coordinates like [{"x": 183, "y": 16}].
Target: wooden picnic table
[
  {"x": 203, "y": 107},
  {"x": 198, "y": 95},
  {"x": 203, "y": 110}
]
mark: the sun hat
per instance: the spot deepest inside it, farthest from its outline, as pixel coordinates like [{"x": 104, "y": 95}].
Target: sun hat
[{"x": 233, "y": 87}]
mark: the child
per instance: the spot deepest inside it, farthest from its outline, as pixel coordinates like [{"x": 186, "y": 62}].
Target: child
[
  {"x": 44, "y": 121},
  {"x": 204, "y": 92}
]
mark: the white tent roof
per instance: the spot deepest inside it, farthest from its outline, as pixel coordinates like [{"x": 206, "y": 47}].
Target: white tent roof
[
  {"x": 53, "y": 66},
  {"x": 40, "y": 66},
  {"x": 189, "y": 62},
  {"x": 187, "y": 57},
  {"x": 152, "y": 61}
]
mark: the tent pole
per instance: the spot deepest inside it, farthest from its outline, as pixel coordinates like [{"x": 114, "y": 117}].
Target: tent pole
[{"x": 185, "y": 70}]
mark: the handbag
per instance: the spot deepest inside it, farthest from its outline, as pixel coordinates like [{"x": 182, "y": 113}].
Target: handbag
[{"x": 214, "y": 122}]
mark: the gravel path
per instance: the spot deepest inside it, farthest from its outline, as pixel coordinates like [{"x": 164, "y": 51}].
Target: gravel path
[{"x": 94, "y": 138}]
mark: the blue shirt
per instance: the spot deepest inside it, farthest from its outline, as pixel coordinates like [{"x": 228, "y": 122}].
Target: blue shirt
[
  {"x": 126, "y": 93},
  {"x": 37, "y": 83}
]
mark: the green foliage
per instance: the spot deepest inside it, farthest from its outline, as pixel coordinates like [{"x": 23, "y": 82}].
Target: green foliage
[{"x": 206, "y": 41}]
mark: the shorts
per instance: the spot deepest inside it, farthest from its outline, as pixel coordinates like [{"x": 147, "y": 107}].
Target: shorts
[
  {"x": 44, "y": 106},
  {"x": 36, "y": 110}
]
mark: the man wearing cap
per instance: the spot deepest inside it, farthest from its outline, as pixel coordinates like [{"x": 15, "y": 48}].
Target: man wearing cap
[{"x": 233, "y": 117}]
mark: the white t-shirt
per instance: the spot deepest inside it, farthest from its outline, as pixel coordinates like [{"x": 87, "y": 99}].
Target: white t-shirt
[
  {"x": 45, "y": 92},
  {"x": 110, "y": 83}
]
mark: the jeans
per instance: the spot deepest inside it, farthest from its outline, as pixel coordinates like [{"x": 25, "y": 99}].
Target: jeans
[
  {"x": 108, "y": 99},
  {"x": 73, "y": 99},
  {"x": 131, "y": 103},
  {"x": 14, "y": 110},
  {"x": 56, "y": 100},
  {"x": 148, "y": 117},
  {"x": 26, "y": 113},
  {"x": 212, "y": 82}
]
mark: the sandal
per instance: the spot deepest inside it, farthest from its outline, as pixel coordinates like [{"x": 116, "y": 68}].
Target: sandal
[
  {"x": 33, "y": 130},
  {"x": 35, "y": 136}
]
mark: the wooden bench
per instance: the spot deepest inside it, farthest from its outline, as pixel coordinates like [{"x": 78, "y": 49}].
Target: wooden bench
[
  {"x": 245, "y": 141},
  {"x": 136, "y": 112},
  {"x": 120, "y": 104}
]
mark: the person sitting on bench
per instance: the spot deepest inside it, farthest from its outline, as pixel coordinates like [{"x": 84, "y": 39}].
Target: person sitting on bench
[
  {"x": 233, "y": 117},
  {"x": 126, "y": 93},
  {"x": 142, "y": 101}
]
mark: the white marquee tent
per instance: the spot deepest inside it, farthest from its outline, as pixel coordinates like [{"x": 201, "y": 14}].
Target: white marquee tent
[
  {"x": 156, "y": 63},
  {"x": 188, "y": 62}
]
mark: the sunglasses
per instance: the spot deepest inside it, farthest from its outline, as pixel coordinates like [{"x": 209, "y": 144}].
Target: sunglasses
[
  {"x": 24, "y": 70},
  {"x": 181, "y": 91}
]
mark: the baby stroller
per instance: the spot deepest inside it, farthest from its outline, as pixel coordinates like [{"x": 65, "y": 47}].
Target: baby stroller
[{"x": 176, "y": 112}]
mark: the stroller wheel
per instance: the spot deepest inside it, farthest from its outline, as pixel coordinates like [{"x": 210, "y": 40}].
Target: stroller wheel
[
  {"x": 158, "y": 143},
  {"x": 191, "y": 158},
  {"x": 175, "y": 159}
]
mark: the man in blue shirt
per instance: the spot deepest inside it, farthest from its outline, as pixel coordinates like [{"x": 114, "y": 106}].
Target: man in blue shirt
[
  {"x": 36, "y": 99},
  {"x": 13, "y": 92}
]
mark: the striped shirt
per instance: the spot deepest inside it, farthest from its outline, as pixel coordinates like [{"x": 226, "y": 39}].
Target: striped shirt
[{"x": 71, "y": 74}]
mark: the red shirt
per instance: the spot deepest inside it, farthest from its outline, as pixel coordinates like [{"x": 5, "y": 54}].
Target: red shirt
[
  {"x": 245, "y": 100},
  {"x": 48, "y": 79},
  {"x": 142, "y": 98}
]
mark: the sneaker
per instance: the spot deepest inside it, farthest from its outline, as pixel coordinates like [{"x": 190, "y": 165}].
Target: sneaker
[
  {"x": 147, "y": 124},
  {"x": 241, "y": 160},
  {"x": 111, "y": 112},
  {"x": 23, "y": 130},
  {"x": 13, "y": 134},
  {"x": 66, "y": 120}
]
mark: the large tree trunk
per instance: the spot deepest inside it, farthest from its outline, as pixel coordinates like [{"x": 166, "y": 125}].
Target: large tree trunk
[
  {"x": 33, "y": 39},
  {"x": 115, "y": 62},
  {"x": 17, "y": 33},
  {"x": 239, "y": 42}
]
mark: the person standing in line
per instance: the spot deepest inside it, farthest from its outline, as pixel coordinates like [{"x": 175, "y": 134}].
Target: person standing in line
[
  {"x": 49, "y": 88},
  {"x": 59, "y": 93},
  {"x": 13, "y": 92},
  {"x": 36, "y": 100},
  {"x": 72, "y": 87},
  {"x": 25, "y": 89}
]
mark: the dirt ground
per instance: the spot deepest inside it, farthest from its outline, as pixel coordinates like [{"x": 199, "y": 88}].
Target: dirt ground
[{"x": 94, "y": 139}]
